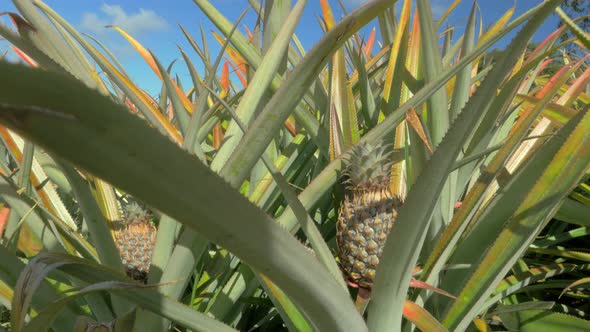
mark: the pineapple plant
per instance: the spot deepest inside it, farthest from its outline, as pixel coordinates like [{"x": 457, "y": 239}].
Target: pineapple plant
[
  {"x": 367, "y": 213},
  {"x": 135, "y": 238},
  {"x": 248, "y": 272}
]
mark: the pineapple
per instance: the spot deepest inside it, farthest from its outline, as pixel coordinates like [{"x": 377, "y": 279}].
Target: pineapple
[
  {"x": 367, "y": 213},
  {"x": 135, "y": 240}
]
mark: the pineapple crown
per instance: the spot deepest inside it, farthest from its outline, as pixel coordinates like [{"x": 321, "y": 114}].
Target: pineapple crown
[
  {"x": 135, "y": 213},
  {"x": 368, "y": 166}
]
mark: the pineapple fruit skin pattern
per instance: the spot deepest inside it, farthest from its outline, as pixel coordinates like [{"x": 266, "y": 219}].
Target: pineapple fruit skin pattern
[
  {"x": 367, "y": 213},
  {"x": 135, "y": 241}
]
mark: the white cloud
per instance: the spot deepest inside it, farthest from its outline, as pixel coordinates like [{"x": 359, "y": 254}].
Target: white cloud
[
  {"x": 438, "y": 9},
  {"x": 133, "y": 23}
]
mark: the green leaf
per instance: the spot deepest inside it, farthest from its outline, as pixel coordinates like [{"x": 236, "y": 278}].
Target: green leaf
[
  {"x": 103, "y": 138},
  {"x": 544, "y": 320},
  {"x": 561, "y": 175},
  {"x": 131, "y": 90},
  {"x": 54, "y": 44},
  {"x": 100, "y": 278},
  {"x": 531, "y": 305},
  {"x": 258, "y": 85},
  {"x": 518, "y": 281},
  {"x": 253, "y": 57},
  {"x": 573, "y": 212},
  {"x": 289, "y": 312},
  {"x": 578, "y": 32},
  {"x": 405, "y": 242},
  {"x": 422, "y": 318},
  {"x": 555, "y": 239},
  {"x": 480, "y": 238},
  {"x": 576, "y": 255},
  {"x": 26, "y": 212},
  {"x": 286, "y": 98},
  {"x": 10, "y": 269},
  {"x": 306, "y": 223},
  {"x": 324, "y": 181}
]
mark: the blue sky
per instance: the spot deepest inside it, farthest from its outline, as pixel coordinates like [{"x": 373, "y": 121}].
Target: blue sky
[{"x": 154, "y": 23}]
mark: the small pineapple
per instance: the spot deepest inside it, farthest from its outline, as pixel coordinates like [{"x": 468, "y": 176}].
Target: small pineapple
[
  {"x": 135, "y": 240},
  {"x": 367, "y": 213}
]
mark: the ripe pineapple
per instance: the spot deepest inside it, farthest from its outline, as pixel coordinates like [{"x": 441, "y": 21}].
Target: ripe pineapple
[
  {"x": 135, "y": 240},
  {"x": 367, "y": 213}
]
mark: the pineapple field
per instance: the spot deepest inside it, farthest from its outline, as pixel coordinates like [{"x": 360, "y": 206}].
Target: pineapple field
[{"x": 403, "y": 173}]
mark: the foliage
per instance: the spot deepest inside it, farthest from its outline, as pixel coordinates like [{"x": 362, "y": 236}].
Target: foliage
[
  {"x": 242, "y": 174},
  {"x": 577, "y": 8}
]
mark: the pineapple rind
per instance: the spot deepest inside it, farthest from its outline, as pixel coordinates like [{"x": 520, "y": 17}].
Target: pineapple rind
[
  {"x": 363, "y": 225},
  {"x": 135, "y": 240},
  {"x": 367, "y": 214}
]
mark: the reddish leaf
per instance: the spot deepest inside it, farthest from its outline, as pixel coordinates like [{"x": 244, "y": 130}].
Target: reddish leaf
[
  {"x": 236, "y": 57},
  {"x": 542, "y": 44},
  {"x": 225, "y": 76},
  {"x": 249, "y": 34},
  {"x": 28, "y": 243},
  {"x": 421, "y": 318},
  {"x": 3, "y": 218},
  {"x": 290, "y": 125},
  {"x": 217, "y": 136},
  {"x": 421, "y": 284},
  {"x": 370, "y": 43},
  {"x": 415, "y": 123},
  {"x": 328, "y": 16},
  {"x": 23, "y": 27},
  {"x": 239, "y": 73},
  {"x": 130, "y": 105},
  {"x": 577, "y": 87},
  {"x": 27, "y": 59},
  {"x": 554, "y": 79}
]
